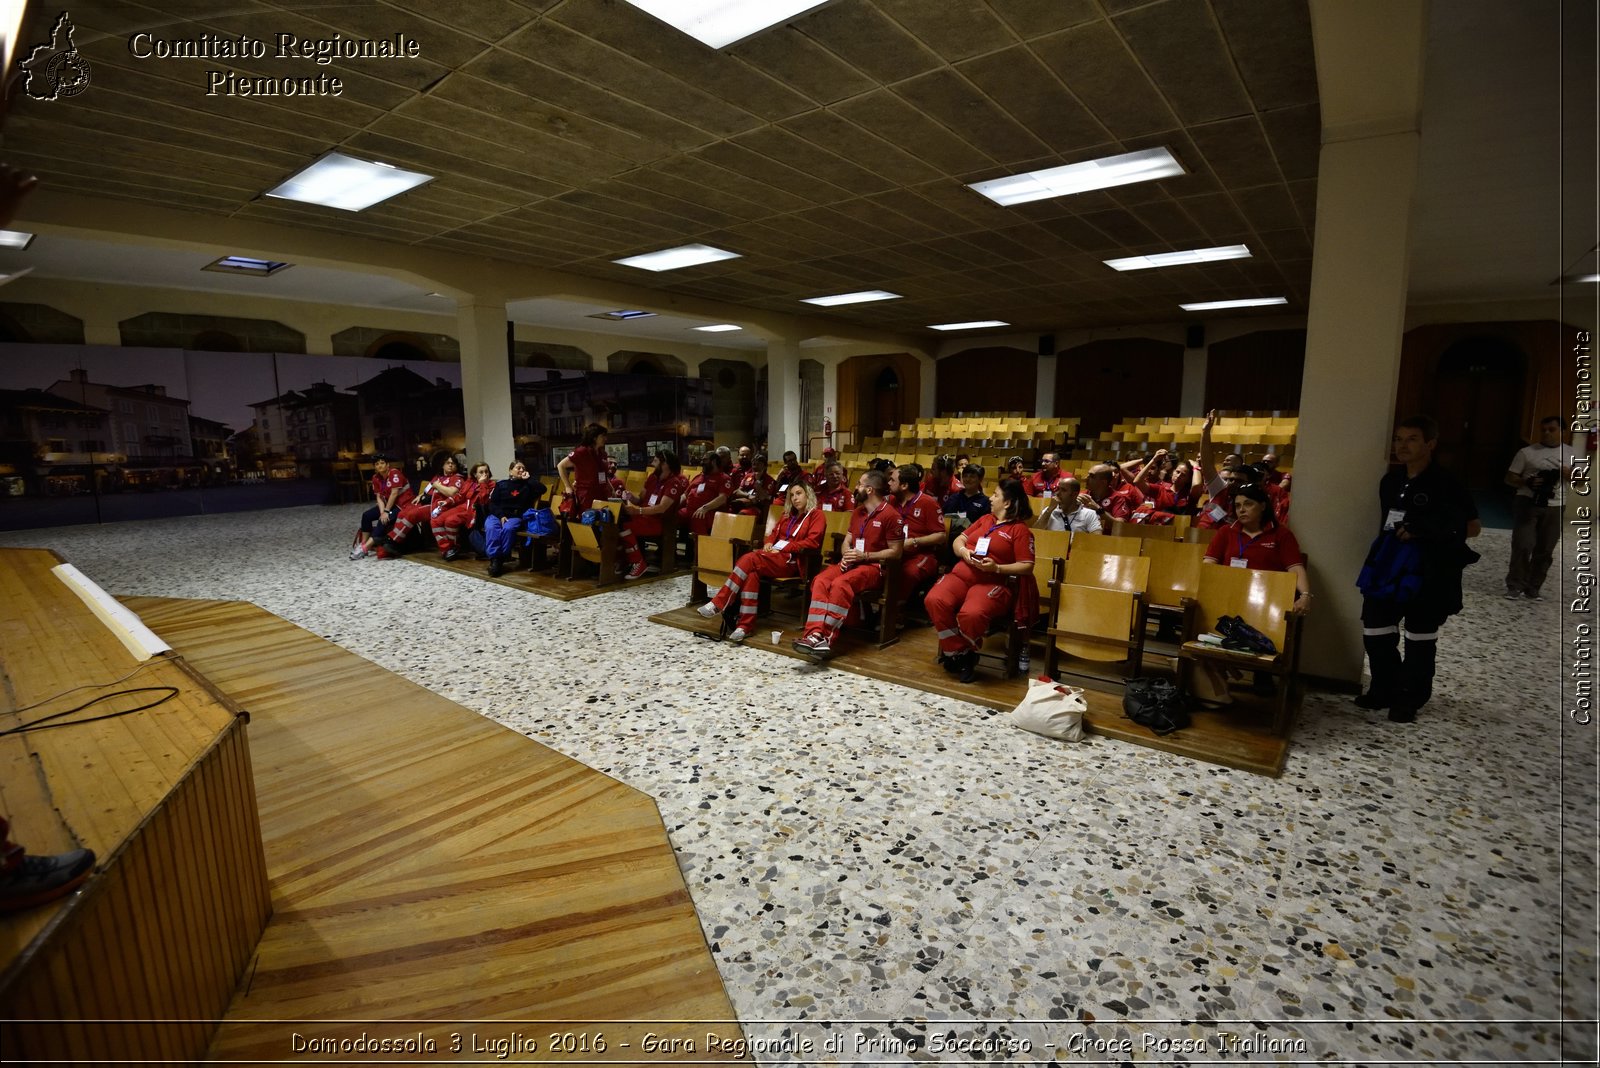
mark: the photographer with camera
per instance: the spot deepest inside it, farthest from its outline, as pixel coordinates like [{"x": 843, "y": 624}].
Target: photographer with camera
[{"x": 1539, "y": 473}]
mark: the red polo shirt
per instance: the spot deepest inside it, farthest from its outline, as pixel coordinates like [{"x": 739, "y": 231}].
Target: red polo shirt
[{"x": 1274, "y": 549}]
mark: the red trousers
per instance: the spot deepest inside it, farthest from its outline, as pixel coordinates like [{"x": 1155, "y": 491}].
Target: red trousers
[
  {"x": 639, "y": 526},
  {"x": 687, "y": 520},
  {"x": 834, "y": 593},
  {"x": 744, "y": 582},
  {"x": 450, "y": 525},
  {"x": 962, "y": 613},
  {"x": 914, "y": 571},
  {"x": 410, "y": 516}
]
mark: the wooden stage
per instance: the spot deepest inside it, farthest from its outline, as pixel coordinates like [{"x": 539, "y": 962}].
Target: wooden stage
[
  {"x": 1239, "y": 737},
  {"x": 436, "y": 874}
]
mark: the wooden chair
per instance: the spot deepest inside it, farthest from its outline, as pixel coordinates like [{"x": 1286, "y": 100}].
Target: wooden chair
[
  {"x": 1093, "y": 625},
  {"x": 595, "y": 544},
  {"x": 1105, "y": 545},
  {"x": 1174, "y": 577},
  {"x": 1109, "y": 571},
  {"x": 1262, "y": 599},
  {"x": 731, "y": 535},
  {"x": 633, "y": 482},
  {"x": 1121, "y": 528}
]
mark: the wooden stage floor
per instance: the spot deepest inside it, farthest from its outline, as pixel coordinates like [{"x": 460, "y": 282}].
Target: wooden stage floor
[
  {"x": 436, "y": 874},
  {"x": 1239, "y": 737},
  {"x": 544, "y": 583}
]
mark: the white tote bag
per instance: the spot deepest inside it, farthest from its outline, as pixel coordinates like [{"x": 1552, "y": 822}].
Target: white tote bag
[{"x": 1051, "y": 709}]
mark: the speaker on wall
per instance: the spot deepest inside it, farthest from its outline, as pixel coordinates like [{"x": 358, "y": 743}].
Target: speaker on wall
[
  {"x": 1195, "y": 336},
  {"x": 1047, "y": 344}
]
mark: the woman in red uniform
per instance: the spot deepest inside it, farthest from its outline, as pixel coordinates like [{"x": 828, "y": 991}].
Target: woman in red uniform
[
  {"x": 390, "y": 493},
  {"x": 582, "y": 472},
  {"x": 442, "y": 490},
  {"x": 1255, "y": 540},
  {"x": 663, "y": 489},
  {"x": 452, "y": 519},
  {"x": 992, "y": 556},
  {"x": 798, "y": 529}
]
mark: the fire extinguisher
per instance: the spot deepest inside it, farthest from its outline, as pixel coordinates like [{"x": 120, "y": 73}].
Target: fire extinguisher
[{"x": 827, "y": 429}]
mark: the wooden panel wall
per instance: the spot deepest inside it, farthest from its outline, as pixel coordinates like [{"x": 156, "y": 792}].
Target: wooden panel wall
[
  {"x": 1106, "y": 381},
  {"x": 1256, "y": 372},
  {"x": 988, "y": 380},
  {"x": 862, "y": 408}
]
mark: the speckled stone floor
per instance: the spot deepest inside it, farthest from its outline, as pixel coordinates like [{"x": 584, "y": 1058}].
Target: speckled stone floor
[{"x": 861, "y": 852}]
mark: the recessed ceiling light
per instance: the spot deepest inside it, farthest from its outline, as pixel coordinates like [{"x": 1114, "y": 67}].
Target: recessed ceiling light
[
  {"x": 340, "y": 181},
  {"x": 245, "y": 265},
  {"x": 1576, "y": 279},
  {"x": 1174, "y": 259},
  {"x": 622, "y": 314},
  {"x": 720, "y": 328},
  {"x": 1130, "y": 167},
  {"x": 720, "y": 23},
  {"x": 17, "y": 239},
  {"x": 968, "y": 326},
  {"x": 852, "y": 298},
  {"x": 1249, "y": 302},
  {"x": 670, "y": 259}
]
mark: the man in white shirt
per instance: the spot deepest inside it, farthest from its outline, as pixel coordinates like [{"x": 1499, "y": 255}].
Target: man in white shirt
[
  {"x": 1540, "y": 474},
  {"x": 1068, "y": 512}
]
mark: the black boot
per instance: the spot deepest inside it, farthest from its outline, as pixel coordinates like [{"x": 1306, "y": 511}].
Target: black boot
[{"x": 497, "y": 567}]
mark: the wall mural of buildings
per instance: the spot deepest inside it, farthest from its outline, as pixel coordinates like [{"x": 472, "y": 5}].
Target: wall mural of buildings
[{"x": 101, "y": 433}]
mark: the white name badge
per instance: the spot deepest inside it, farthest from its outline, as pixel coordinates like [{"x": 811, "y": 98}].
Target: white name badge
[
  {"x": 1395, "y": 517},
  {"x": 827, "y": 508},
  {"x": 1217, "y": 513},
  {"x": 861, "y": 545},
  {"x": 1238, "y": 561},
  {"x": 784, "y": 488},
  {"x": 982, "y": 548},
  {"x": 781, "y": 544},
  {"x": 654, "y": 498}
]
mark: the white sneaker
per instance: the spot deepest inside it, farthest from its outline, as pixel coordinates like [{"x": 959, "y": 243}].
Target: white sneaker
[
  {"x": 357, "y": 553},
  {"x": 708, "y": 610},
  {"x": 737, "y": 634}
]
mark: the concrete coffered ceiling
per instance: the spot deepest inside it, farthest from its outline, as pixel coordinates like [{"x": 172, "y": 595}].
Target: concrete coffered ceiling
[{"x": 831, "y": 153}]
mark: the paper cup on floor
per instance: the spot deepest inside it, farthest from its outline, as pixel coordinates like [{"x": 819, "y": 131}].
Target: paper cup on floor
[{"x": 777, "y": 636}]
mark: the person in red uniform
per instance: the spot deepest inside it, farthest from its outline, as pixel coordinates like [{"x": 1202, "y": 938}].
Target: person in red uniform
[
  {"x": 440, "y": 490},
  {"x": 873, "y": 542},
  {"x": 704, "y": 496},
  {"x": 1043, "y": 484},
  {"x": 791, "y": 472},
  {"x": 798, "y": 530},
  {"x": 1254, "y": 539},
  {"x": 924, "y": 527},
  {"x": 829, "y": 455},
  {"x": 390, "y": 493},
  {"x": 642, "y": 518},
  {"x": 580, "y": 472},
  {"x": 1110, "y": 494},
  {"x": 453, "y": 518},
  {"x": 754, "y": 490},
  {"x": 612, "y": 487},
  {"x": 833, "y": 493},
  {"x": 992, "y": 557}
]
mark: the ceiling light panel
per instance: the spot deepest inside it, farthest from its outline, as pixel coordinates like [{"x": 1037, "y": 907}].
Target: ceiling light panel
[
  {"x": 861, "y": 297},
  {"x": 974, "y": 325},
  {"x": 720, "y": 328},
  {"x": 350, "y": 184},
  {"x": 720, "y": 23},
  {"x": 1126, "y": 169},
  {"x": 1248, "y": 302},
  {"x": 15, "y": 239},
  {"x": 671, "y": 259},
  {"x": 1177, "y": 259}
]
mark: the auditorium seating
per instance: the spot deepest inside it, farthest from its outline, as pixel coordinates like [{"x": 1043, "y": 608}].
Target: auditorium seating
[{"x": 1262, "y": 599}]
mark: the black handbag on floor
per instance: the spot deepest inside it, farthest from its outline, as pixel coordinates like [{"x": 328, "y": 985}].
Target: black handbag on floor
[{"x": 1155, "y": 703}]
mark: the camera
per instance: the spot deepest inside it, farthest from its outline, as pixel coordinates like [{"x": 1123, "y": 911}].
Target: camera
[{"x": 1543, "y": 485}]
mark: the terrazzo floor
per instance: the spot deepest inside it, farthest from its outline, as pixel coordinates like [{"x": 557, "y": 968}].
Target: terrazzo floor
[{"x": 866, "y": 857}]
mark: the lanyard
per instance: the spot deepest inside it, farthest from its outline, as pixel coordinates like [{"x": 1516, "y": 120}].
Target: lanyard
[
  {"x": 861, "y": 535},
  {"x": 795, "y": 522}
]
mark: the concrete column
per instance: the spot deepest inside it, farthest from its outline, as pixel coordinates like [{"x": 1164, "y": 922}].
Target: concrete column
[
  {"x": 486, "y": 381},
  {"x": 1044, "y": 392},
  {"x": 928, "y": 407},
  {"x": 1192, "y": 400},
  {"x": 1369, "y": 72},
  {"x": 783, "y": 396}
]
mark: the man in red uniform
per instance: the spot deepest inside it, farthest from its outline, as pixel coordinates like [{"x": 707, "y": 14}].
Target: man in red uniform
[
  {"x": 833, "y": 495},
  {"x": 452, "y": 519},
  {"x": 663, "y": 489},
  {"x": 440, "y": 490},
  {"x": 791, "y": 472},
  {"x": 924, "y": 528},
  {"x": 829, "y": 455},
  {"x": 707, "y": 493},
  {"x": 873, "y": 542},
  {"x": 755, "y": 489},
  {"x": 993, "y": 556},
  {"x": 798, "y": 530},
  {"x": 390, "y": 493},
  {"x": 1110, "y": 494},
  {"x": 1043, "y": 484}
]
